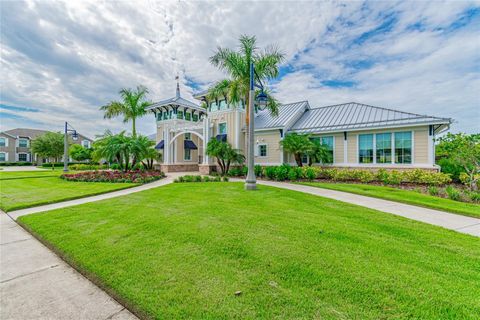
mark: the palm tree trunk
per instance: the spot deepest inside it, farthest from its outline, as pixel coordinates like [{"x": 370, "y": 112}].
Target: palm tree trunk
[
  {"x": 134, "y": 132},
  {"x": 298, "y": 159}
]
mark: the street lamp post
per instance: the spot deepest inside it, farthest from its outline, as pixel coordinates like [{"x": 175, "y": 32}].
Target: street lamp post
[
  {"x": 65, "y": 144},
  {"x": 251, "y": 180}
]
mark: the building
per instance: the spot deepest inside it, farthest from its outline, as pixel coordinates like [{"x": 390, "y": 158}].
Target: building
[
  {"x": 15, "y": 145},
  {"x": 358, "y": 135}
]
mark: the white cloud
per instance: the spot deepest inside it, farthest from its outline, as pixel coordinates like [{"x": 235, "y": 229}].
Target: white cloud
[{"x": 69, "y": 58}]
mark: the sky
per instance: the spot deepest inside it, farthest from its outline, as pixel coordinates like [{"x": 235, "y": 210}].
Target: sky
[{"x": 61, "y": 61}]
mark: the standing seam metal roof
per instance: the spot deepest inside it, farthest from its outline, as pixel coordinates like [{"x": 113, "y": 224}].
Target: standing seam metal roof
[
  {"x": 356, "y": 116},
  {"x": 286, "y": 113}
]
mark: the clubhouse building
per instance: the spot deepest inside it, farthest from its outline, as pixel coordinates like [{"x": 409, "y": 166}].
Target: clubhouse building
[{"x": 357, "y": 135}]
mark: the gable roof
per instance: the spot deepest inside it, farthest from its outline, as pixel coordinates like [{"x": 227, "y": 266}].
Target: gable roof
[
  {"x": 26, "y": 132},
  {"x": 348, "y": 116},
  {"x": 33, "y": 133},
  {"x": 287, "y": 114}
]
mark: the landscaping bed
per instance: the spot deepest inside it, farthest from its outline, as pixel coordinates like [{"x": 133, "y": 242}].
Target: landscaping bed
[
  {"x": 221, "y": 253},
  {"x": 114, "y": 176}
]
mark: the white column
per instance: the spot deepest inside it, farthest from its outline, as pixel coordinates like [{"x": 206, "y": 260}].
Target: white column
[
  {"x": 431, "y": 146},
  {"x": 166, "y": 145},
  {"x": 206, "y": 138},
  {"x": 237, "y": 129},
  {"x": 345, "y": 147}
]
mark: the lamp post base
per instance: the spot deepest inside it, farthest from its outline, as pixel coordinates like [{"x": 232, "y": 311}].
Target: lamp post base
[{"x": 251, "y": 185}]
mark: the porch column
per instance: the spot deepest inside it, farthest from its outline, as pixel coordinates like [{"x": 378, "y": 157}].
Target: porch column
[
  {"x": 431, "y": 145},
  {"x": 166, "y": 145},
  {"x": 206, "y": 138}
]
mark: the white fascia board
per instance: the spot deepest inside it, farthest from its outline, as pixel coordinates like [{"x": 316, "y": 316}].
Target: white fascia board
[{"x": 373, "y": 128}]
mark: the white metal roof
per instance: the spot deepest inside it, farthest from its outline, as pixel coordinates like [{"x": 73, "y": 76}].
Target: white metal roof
[
  {"x": 286, "y": 114},
  {"x": 354, "y": 115}
]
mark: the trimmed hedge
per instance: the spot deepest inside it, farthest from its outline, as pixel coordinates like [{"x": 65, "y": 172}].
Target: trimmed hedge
[
  {"x": 191, "y": 178},
  {"x": 55, "y": 164},
  {"x": 114, "y": 176},
  {"x": 8, "y": 164},
  {"x": 82, "y": 166},
  {"x": 393, "y": 177}
]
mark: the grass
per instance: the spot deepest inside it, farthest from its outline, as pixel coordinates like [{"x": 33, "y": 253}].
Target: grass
[
  {"x": 183, "y": 250},
  {"x": 7, "y": 175},
  {"x": 404, "y": 196},
  {"x": 23, "y": 190}
]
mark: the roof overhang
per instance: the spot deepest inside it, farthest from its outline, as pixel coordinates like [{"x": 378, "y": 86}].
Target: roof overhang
[{"x": 378, "y": 127}]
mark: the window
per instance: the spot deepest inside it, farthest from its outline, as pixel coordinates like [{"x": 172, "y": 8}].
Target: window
[
  {"x": 86, "y": 144},
  {"x": 187, "y": 155},
  {"x": 180, "y": 114},
  {"x": 23, "y": 143},
  {"x": 213, "y": 106},
  {"x": 187, "y": 116},
  {"x": 328, "y": 142},
  {"x": 2, "y": 156},
  {"x": 2, "y": 143},
  {"x": 195, "y": 117},
  {"x": 22, "y": 157},
  {"x": 262, "y": 150},
  {"x": 159, "y": 116},
  {"x": 403, "y": 147},
  {"x": 188, "y": 136},
  {"x": 304, "y": 158},
  {"x": 222, "y": 128},
  {"x": 365, "y": 148},
  {"x": 166, "y": 116},
  {"x": 383, "y": 146}
]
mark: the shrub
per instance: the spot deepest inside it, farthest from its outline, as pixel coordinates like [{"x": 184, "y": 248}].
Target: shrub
[
  {"x": 453, "y": 193},
  {"x": 20, "y": 163},
  {"x": 84, "y": 166},
  {"x": 206, "y": 179},
  {"x": 281, "y": 172},
  {"x": 244, "y": 170},
  {"x": 225, "y": 179},
  {"x": 365, "y": 176},
  {"x": 382, "y": 176},
  {"x": 114, "y": 176},
  {"x": 217, "y": 179},
  {"x": 198, "y": 179},
  {"x": 310, "y": 173},
  {"x": 188, "y": 178},
  {"x": 474, "y": 196},
  {"x": 270, "y": 172},
  {"x": 55, "y": 164},
  {"x": 394, "y": 177},
  {"x": 234, "y": 172},
  {"x": 115, "y": 166},
  {"x": 258, "y": 170},
  {"x": 433, "y": 191}
]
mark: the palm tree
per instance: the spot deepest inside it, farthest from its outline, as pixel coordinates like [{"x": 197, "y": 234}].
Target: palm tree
[
  {"x": 319, "y": 153},
  {"x": 225, "y": 154},
  {"x": 297, "y": 144},
  {"x": 131, "y": 107},
  {"x": 237, "y": 65}
]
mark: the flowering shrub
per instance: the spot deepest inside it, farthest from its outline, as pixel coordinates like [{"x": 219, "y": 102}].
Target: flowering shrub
[{"x": 114, "y": 176}]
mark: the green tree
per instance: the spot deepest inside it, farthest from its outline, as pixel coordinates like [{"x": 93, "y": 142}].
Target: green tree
[
  {"x": 237, "y": 65},
  {"x": 459, "y": 155},
  {"x": 49, "y": 145},
  {"x": 114, "y": 148},
  {"x": 319, "y": 153},
  {"x": 80, "y": 153},
  {"x": 298, "y": 145},
  {"x": 225, "y": 154},
  {"x": 132, "y": 106}
]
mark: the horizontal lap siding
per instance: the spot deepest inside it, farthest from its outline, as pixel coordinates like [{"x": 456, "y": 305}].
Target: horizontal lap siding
[
  {"x": 420, "y": 139},
  {"x": 272, "y": 140}
]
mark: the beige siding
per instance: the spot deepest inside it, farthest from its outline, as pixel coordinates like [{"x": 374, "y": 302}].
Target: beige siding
[
  {"x": 271, "y": 139},
  {"x": 420, "y": 143},
  {"x": 229, "y": 118},
  {"x": 338, "y": 151},
  {"x": 351, "y": 147},
  {"x": 180, "y": 151},
  {"x": 420, "y": 146}
]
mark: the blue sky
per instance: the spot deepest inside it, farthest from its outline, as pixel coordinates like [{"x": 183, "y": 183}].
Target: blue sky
[{"x": 63, "y": 60}]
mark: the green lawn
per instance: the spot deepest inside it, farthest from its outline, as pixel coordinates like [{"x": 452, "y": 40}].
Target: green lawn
[
  {"x": 7, "y": 175},
  {"x": 29, "y": 191},
  {"x": 183, "y": 250},
  {"x": 405, "y": 196}
]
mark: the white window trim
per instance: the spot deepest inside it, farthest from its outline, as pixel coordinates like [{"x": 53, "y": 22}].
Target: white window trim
[
  {"x": 258, "y": 150},
  {"x": 392, "y": 132},
  {"x": 6, "y": 141},
  {"x": 26, "y": 154},
  {"x": 6, "y": 156},
  {"x": 88, "y": 144},
  {"x": 28, "y": 142}
]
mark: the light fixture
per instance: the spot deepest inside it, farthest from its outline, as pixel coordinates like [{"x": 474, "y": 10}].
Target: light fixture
[{"x": 262, "y": 100}]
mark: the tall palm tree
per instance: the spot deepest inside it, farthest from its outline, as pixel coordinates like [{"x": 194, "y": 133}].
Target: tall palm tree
[
  {"x": 131, "y": 107},
  {"x": 298, "y": 145},
  {"x": 237, "y": 65}
]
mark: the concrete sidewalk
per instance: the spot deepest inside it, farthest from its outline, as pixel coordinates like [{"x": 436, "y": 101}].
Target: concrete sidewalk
[
  {"x": 36, "y": 284},
  {"x": 450, "y": 221}
]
